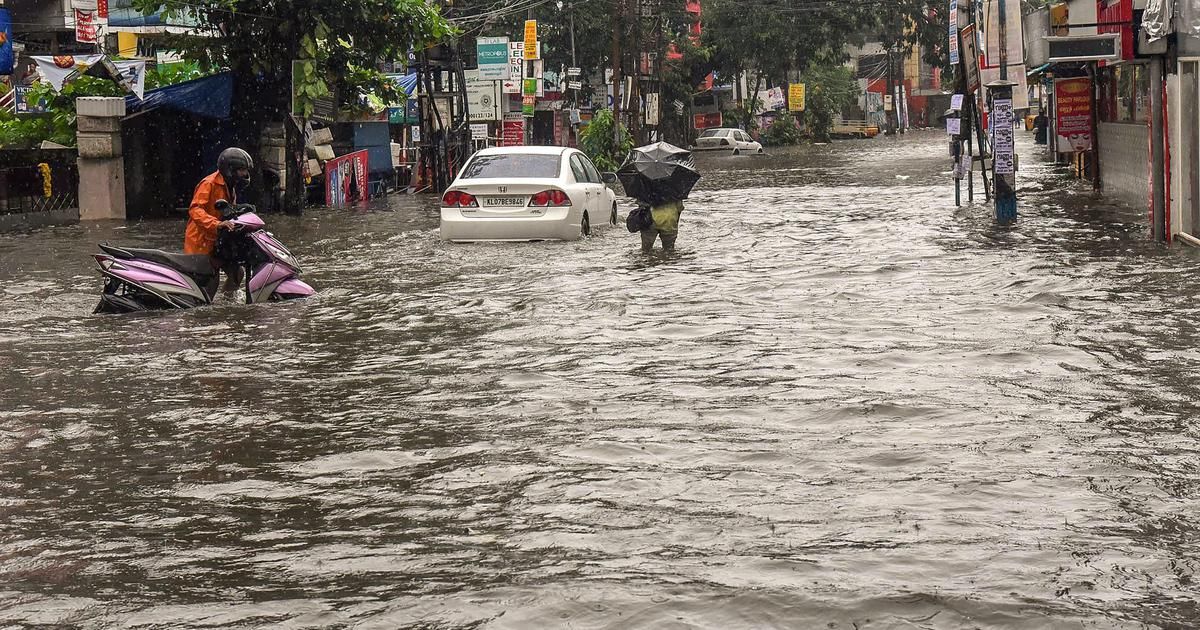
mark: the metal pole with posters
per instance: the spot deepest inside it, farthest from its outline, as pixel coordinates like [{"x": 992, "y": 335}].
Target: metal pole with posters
[{"x": 1004, "y": 172}]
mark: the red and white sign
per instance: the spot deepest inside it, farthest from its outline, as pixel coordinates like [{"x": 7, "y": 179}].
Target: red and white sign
[
  {"x": 85, "y": 27},
  {"x": 346, "y": 180},
  {"x": 1073, "y": 114},
  {"x": 514, "y": 130}
]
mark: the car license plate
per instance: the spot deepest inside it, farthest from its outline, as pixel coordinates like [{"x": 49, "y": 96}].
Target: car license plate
[{"x": 504, "y": 202}]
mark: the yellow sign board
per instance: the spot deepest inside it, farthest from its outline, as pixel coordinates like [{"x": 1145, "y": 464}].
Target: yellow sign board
[
  {"x": 796, "y": 97},
  {"x": 531, "y": 40}
]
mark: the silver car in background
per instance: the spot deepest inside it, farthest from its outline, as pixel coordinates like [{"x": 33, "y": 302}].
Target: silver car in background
[
  {"x": 527, "y": 194},
  {"x": 724, "y": 139}
]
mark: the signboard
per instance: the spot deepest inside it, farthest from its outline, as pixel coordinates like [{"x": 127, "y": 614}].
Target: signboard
[
  {"x": 954, "y": 33},
  {"x": 887, "y": 102},
  {"x": 513, "y": 133},
  {"x": 24, "y": 105},
  {"x": 653, "y": 110},
  {"x": 483, "y": 97},
  {"x": 479, "y": 132},
  {"x": 516, "y": 61},
  {"x": 492, "y": 53},
  {"x": 970, "y": 57},
  {"x": 1105, "y": 47},
  {"x": 85, "y": 26},
  {"x": 528, "y": 105},
  {"x": 706, "y": 121},
  {"x": 575, "y": 85},
  {"x": 796, "y": 97},
  {"x": 956, "y": 102},
  {"x": 1002, "y": 135},
  {"x": 574, "y": 72},
  {"x": 953, "y": 126},
  {"x": 1073, "y": 114},
  {"x": 531, "y": 40},
  {"x": 346, "y": 179}
]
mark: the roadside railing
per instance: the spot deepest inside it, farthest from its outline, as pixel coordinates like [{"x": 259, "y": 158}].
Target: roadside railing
[{"x": 38, "y": 180}]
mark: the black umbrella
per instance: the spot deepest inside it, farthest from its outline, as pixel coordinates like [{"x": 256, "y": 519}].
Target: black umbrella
[{"x": 658, "y": 173}]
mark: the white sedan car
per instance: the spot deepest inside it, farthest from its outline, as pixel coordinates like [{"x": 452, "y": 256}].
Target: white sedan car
[
  {"x": 734, "y": 140},
  {"x": 527, "y": 194}
]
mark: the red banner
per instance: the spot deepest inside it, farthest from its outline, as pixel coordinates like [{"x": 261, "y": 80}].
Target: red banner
[
  {"x": 346, "y": 179},
  {"x": 1073, "y": 114},
  {"x": 706, "y": 121},
  {"x": 85, "y": 27},
  {"x": 102, "y": 9}
]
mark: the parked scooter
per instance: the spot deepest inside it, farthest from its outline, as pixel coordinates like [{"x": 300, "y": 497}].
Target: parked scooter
[{"x": 151, "y": 279}]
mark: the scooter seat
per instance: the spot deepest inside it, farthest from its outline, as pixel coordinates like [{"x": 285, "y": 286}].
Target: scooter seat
[{"x": 195, "y": 265}]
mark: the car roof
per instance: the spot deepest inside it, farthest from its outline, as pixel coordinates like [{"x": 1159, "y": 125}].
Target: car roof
[{"x": 528, "y": 150}]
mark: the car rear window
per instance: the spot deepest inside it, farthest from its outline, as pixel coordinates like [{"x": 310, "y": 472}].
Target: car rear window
[
  {"x": 513, "y": 165},
  {"x": 713, "y": 133}
]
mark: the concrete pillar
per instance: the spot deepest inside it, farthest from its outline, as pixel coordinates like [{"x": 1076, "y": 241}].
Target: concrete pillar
[
  {"x": 1158, "y": 162},
  {"x": 101, "y": 162}
]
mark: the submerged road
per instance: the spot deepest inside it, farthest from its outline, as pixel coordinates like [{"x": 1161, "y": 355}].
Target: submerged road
[{"x": 843, "y": 403}]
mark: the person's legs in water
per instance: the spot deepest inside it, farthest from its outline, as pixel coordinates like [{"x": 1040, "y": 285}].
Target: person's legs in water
[
  {"x": 668, "y": 240},
  {"x": 648, "y": 236},
  {"x": 233, "y": 277}
]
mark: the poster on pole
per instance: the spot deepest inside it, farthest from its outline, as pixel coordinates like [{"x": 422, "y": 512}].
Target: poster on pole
[
  {"x": 954, "y": 33},
  {"x": 970, "y": 58},
  {"x": 1073, "y": 114},
  {"x": 1002, "y": 136},
  {"x": 516, "y": 61},
  {"x": 493, "y": 54},
  {"x": 796, "y": 97},
  {"x": 953, "y": 126},
  {"x": 85, "y": 26},
  {"x": 531, "y": 40},
  {"x": 346, "y": 179}
]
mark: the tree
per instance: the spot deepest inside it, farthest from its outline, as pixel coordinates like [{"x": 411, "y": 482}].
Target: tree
[
  {"x": 338, "y": 46},
  {"x": 829, "y": 89},
  {"x": 600, "y": 144}
]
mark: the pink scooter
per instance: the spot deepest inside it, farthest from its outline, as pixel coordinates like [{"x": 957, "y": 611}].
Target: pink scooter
[{"x": 151, "y": 279}]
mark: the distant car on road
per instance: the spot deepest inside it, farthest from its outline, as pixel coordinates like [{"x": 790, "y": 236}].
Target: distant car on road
[
  {"x": 527, "y": 194},
  {"x": 734, "y": 140}
]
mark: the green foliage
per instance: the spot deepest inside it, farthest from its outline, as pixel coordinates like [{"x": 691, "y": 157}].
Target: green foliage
[
  {"x": 58, "y": 125},
  {"x": 740, "y": 117},
  {"x": 339, "y": 46},
  {"x": 598, "y": 141},
  {"x": 829, "y": 89},
  {"x": 783, "y": 132},
  {"x": 166, "y": 74}
]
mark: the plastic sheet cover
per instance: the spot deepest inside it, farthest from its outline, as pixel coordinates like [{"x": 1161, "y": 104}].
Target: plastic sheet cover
[
  {"x": 1156, "y": 21},
  {"x": 209, "y": 97}
]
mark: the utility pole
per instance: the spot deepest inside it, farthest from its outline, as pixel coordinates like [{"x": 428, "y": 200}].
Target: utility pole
[
  {"x": 529, "y": 73},
  {"x": 618, "y": 25},
  {"x": 1004, "y": 172},
  {"x": 891, "y": 95},
  {"x": 1158, "y": 151}
]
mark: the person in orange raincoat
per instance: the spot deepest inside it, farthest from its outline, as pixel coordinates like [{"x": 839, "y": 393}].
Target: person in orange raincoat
[{"x": 233, "y": 174}]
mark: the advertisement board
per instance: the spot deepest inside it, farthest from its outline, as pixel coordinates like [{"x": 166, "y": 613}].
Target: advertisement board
[
  {"x": 492, "y": 53},
  {"x": 796, "y": 97},
  {"x": 513, "y": 132},
  {"x": 483, "y": 97},
  {"x": 970, "y": 57},
  {"x": 531, "y": 40},
  {"x": 706, "y": 121},
  {"x": 1073, "y": 114},
  {"x": 346, "y": 179}
]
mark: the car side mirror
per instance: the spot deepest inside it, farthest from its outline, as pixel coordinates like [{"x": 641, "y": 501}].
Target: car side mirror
[{"x": 608, "y": 178}]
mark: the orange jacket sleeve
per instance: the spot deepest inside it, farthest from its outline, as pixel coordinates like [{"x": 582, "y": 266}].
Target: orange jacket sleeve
[{"x": 201, "y": 201}]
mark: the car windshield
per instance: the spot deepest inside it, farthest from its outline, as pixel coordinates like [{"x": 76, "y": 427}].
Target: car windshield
[
  {"x": 513, "y": 165},
  {"x": 713, "y": 133}
]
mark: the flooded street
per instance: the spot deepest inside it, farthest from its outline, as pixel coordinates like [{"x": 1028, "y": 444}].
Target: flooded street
[{"x": 844, "y": 403}]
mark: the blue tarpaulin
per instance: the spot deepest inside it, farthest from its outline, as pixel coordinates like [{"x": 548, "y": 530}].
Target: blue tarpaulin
[
  {"x": 209, "y": 97},
  {"x": 406, "y": 82}
]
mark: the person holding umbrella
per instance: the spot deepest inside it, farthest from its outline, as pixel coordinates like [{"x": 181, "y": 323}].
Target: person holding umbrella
[{"x": 660, "y": 176}]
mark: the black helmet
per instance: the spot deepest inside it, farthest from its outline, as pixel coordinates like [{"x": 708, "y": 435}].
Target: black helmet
[{"x": 231, "y": 160}]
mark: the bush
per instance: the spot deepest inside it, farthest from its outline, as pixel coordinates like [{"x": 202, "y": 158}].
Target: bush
[
  {"x": 783, "y": 131},
  {"x": 599, "y": 143},
  {"x": 830, "y": 89}
]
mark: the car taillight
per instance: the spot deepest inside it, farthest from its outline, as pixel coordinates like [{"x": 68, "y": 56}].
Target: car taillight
[
  {"x": 459, "y": 199},
  {"x": 548, "y": 198}
]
